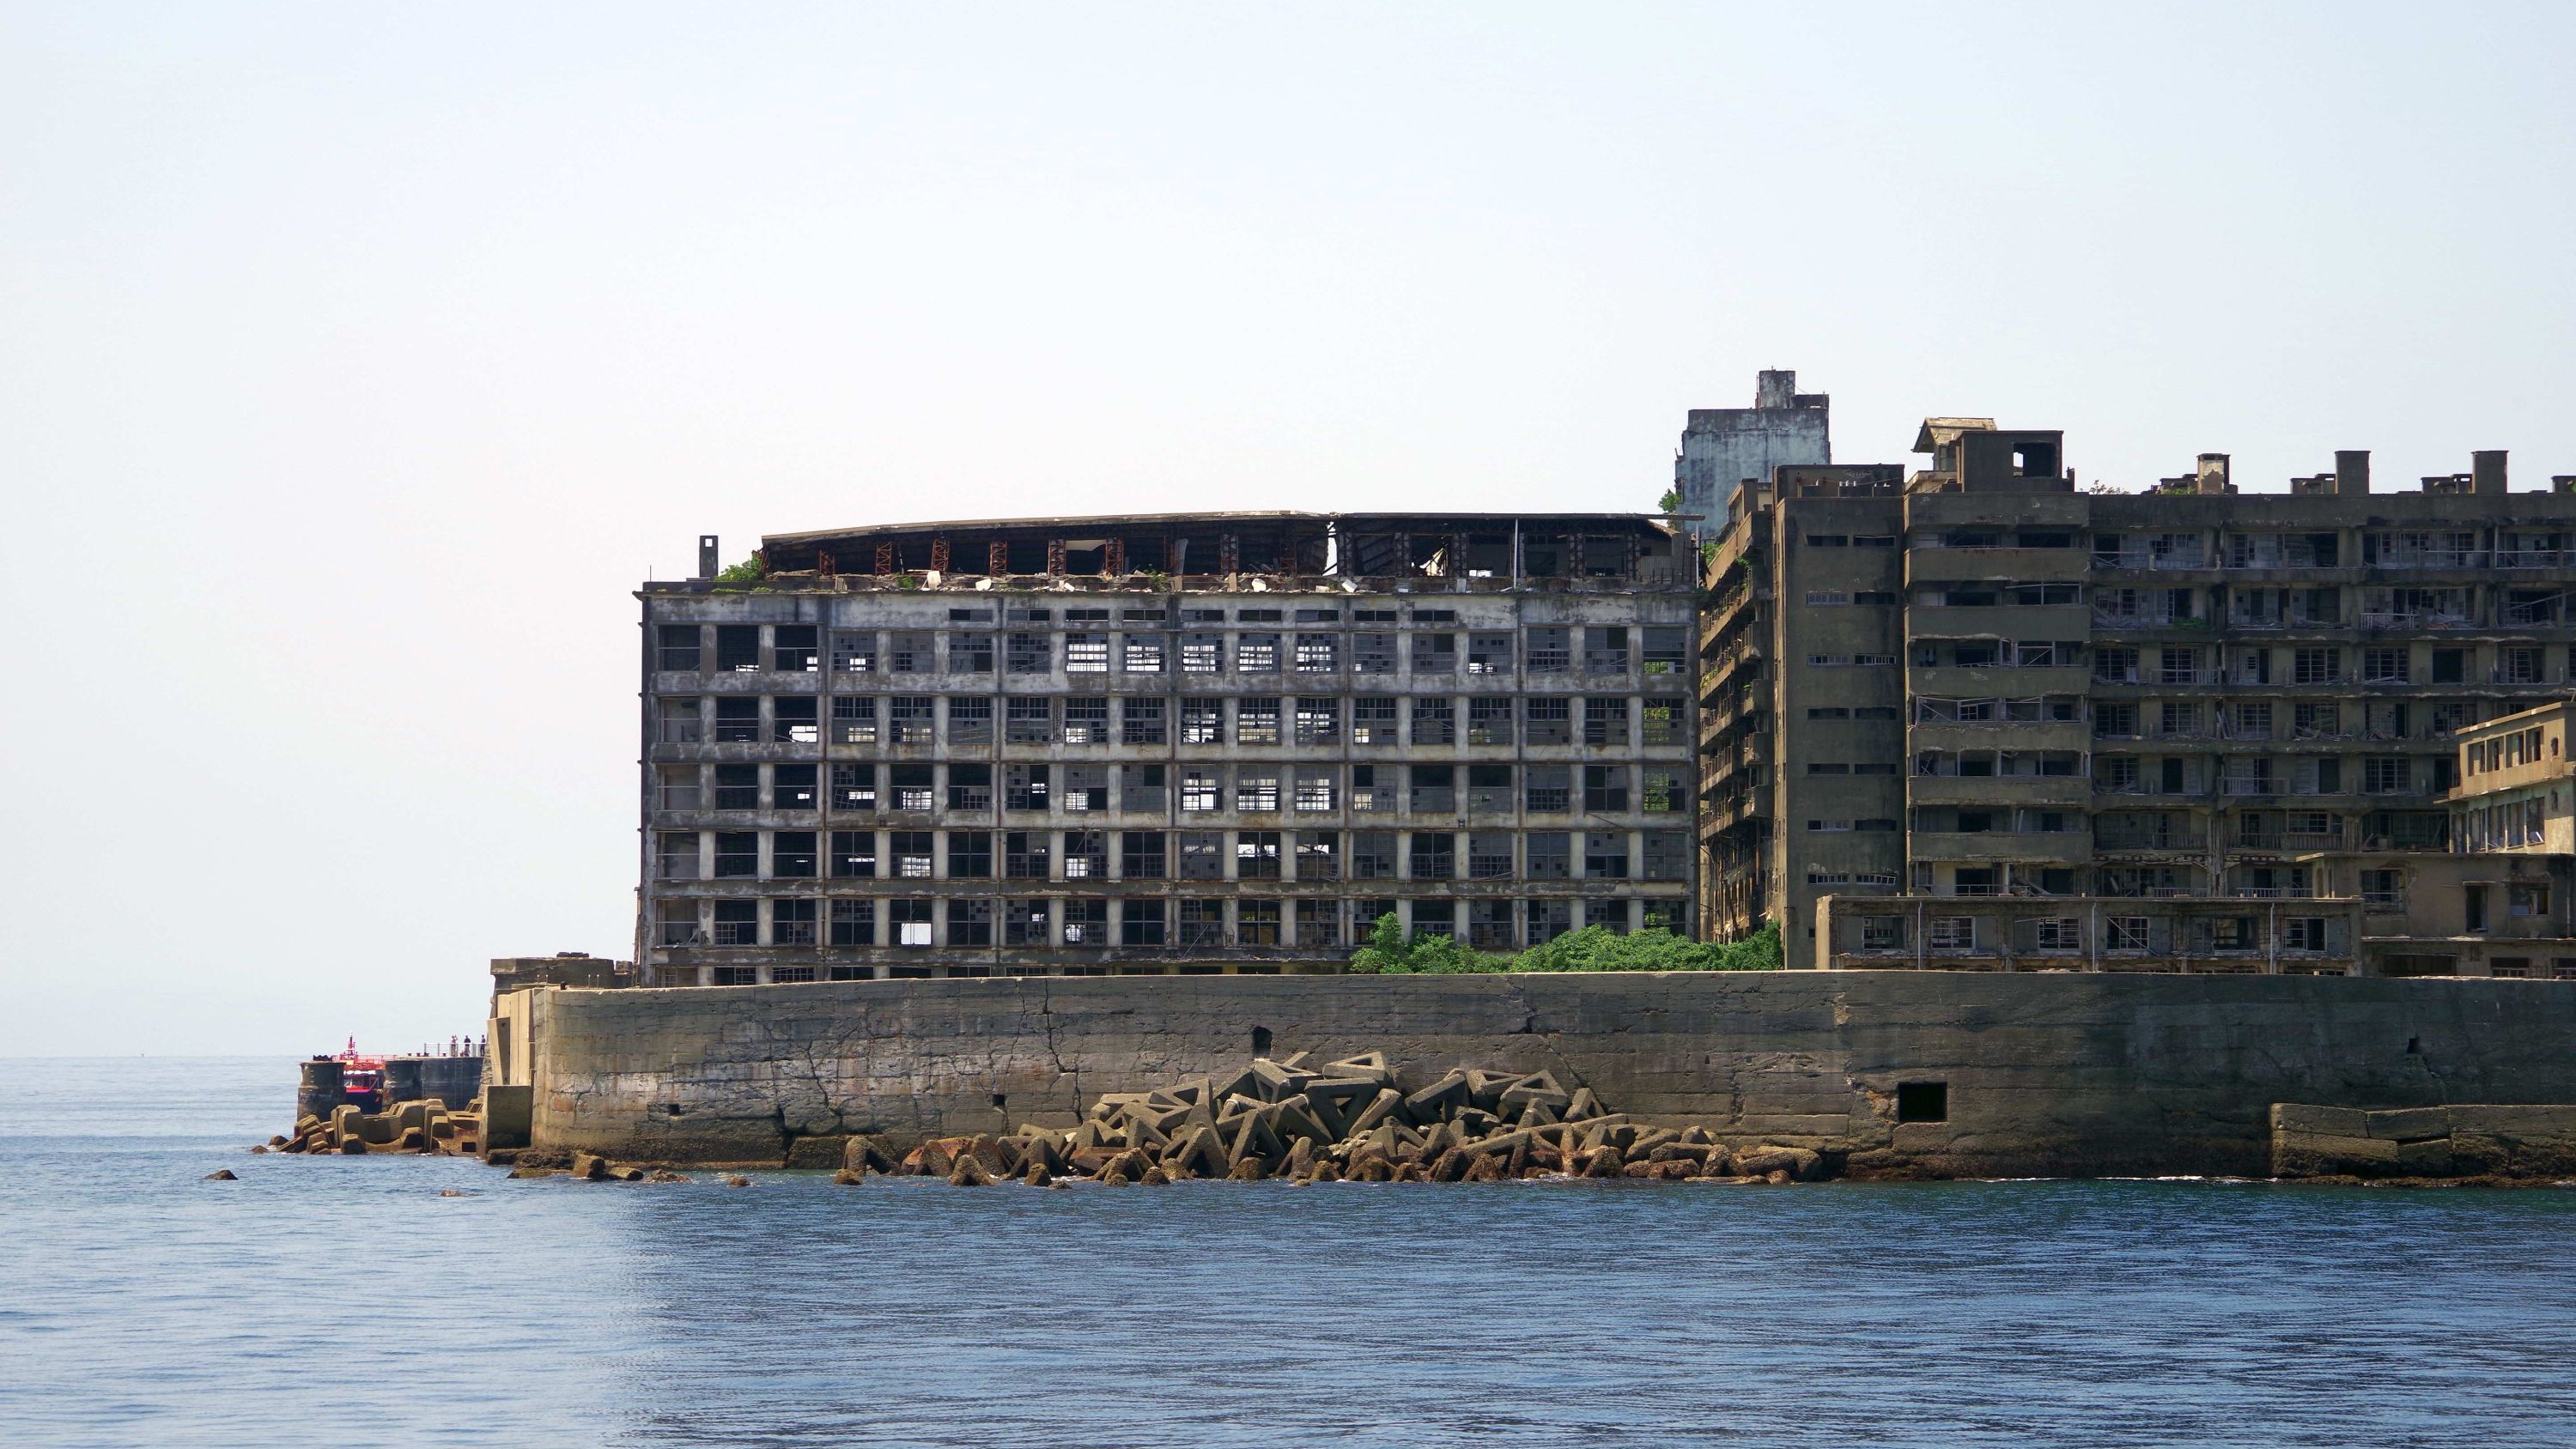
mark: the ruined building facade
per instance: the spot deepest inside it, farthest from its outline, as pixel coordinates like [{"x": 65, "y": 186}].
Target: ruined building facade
[
  {"x": 1722, "y": 449},
  {"x": 1219, "y": 742},
  {"x": 2187, "y": 729}
]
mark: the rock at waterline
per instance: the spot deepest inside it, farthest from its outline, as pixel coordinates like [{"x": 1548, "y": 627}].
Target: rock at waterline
[{"x": 222, "y": 1174}]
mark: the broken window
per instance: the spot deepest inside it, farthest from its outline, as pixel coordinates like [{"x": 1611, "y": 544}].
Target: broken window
[
  {"x": 1605, "y": 787},
  {"x": 1489, "y": 856},
  {"x": 1489, "y": 654},
  {"x": 737, "y": 853},
  {"x": 1319, "y": 924},
  {"x": 1029, "y": 654},
  {"x": 970, "y": 787},
  {"x": 1663, "y": 721},
  {"x": 1373, "y": 720},
  {"x": 1663, "y": 790},
  {"x": 854, "y": 720},
  {"x": 854, "y": 787},
  {"x": 1605, "y": 856},
  {"x": 737, "y": 648},
  {"x": 1366, "y": 797},
  {"x": 912, "y": 787},
  {"x": 1434, "y": 856},
  {"x": 1319, "y": 855},
  {"x": 791, "y": 854},
  {"x": 1142, "y": 722},
  {"x": 1086, "y": 855},
  {"x": 1140, "y": 855},
  {"x": 909, "y": 652},
  {"x": 854, "y": 854},
  {"x": 1256, "y": 789},
  {"x": 970, "y": 652},
  {"x": 1141, "y": 788},
  {"x": 738, "y": 721},
  {"x": 1605, "y": 650},
  {"x": 737, "y": 787},
  {"x": 791, "y": 787},
  {"x": 1086, "y": 654},
  {"x": 1489, "y": 790},
  {"x": 1026, "y": 854},
  {"x": 1256, "y": 722},
  {"x": 911, "y": 719},
  {"x": 1024, "y": 787},
  {"x": 1256, "y": 923},
  {"x": 1318, "y": 653},
  {"x": 795, "y": 649},
  {"x": 1435, "y": 653},
  {"x": 1314, "y": 788},
  {"x": 1435, "y": 722},
  {"x": 1373, "y": 855},
  {"x": 1028, "y": 721},
  {"x": 1256, "y": 855},
  {"x": 1605, "y": 722},
  {"x": 1666, "y": 855},
  {"x": 1201, "y": 791},
  {"x": 675, "y": 855},
  {"x": 678, "y": 786},
  {"x": 1147, "y": 653},
  {"x": 1373, "y": 653},
  {"x": 970, "y": 721},
  {"x": 908, "y": 923},
  {"x": 683, "y": 723},
  {"x": 679, "y": 648},
  {"x": 1319, "y": 721},
  {"x": 1140, "y": 923},
  {"x": 738, "y": 924},
  {"x": 1256, "y": 654},
  {"x": 1202, "y": 653},
  {"x": 1202, "y": 721},
  {"x": 1549, "y": 790},
  {"x": 1086, "y": 721},
  {"x": 854, "y": 923},
  {"x": 794, "y": 721},
  {"x": 970, "y": 923},
  {"x": 1550, "y": 650},
  {"x": 1026, "y": 923},
  {"x": 1547, "y": 721},
  {"x": 1549, "y": 920},
  {"x": 1202, "y": 923},
  {"x": 1086, "y": 789},
  {"x": 1664, "y": 649},
  {"x": 1435, "y": 790},
  {"x": 854, "y": 653},
  {"x": 1202, "y": 855},
  {"x": 910, "y": 850},
  {"x": 1489, "y": 721},
  {"x": 1086, "y": 923},
  {"x": 1434, "y": 918}
]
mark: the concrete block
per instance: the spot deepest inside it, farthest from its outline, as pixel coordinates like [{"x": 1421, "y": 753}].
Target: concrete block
[{"x": 2411, "y": 1124}]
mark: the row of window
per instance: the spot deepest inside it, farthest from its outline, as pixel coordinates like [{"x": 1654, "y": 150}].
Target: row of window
[
  {"x": 1140, "y": 922},
  {"x": 1611, "y": 721},
  {"x": 2263, "y": 719},
  {"x": 2270, "y": 775},
  {"x": 863, "y": 787},
  {"x": 802, "y": 649},
  {"x": 1307, "y": 855}
]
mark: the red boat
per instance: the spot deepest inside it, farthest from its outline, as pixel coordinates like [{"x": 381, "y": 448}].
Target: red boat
[{"x": 362, "y": 1079}]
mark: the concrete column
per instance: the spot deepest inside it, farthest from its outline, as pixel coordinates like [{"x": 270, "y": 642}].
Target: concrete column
[{"x": 2486, "y": 471}]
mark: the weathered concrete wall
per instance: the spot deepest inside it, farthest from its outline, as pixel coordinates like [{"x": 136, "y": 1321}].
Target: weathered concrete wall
[
  {"x": 2047, "y": 1074},
  {"x": 2460, "y": 1140}
]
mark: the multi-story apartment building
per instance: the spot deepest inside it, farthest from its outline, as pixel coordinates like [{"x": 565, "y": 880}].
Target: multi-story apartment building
[
  {"x": 1979, "y": 681},
  {"x": 1226, "y": 742}
]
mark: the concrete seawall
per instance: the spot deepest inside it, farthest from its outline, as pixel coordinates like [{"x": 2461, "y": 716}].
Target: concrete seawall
[{"x": 2073, "y": 1074}]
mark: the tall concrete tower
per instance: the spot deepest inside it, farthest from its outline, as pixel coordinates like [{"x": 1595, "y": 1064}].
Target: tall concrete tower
[{"x": 1724, "y": 447}]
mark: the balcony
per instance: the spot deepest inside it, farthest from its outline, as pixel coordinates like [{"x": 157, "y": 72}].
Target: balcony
[{"x": 2062, "y": 847}]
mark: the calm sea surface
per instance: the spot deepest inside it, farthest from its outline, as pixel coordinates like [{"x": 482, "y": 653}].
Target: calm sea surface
[{"x": 344, "y": 1302}]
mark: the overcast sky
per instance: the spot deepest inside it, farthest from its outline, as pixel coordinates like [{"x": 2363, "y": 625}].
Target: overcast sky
[{"x": 357, "y": 361}]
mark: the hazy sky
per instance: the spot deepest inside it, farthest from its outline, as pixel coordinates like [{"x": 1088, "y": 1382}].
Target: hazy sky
[{"x": 357, "y": 361}]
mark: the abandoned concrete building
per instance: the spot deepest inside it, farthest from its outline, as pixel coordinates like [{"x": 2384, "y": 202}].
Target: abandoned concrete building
[
  {"x": 1208, "y": 742},
  {"x": 1723, "y": 449},
  {"x": 2128, "y": 729}
]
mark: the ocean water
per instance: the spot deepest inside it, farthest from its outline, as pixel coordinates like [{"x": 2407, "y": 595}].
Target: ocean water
[{"x": 343, "y": 1301}]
